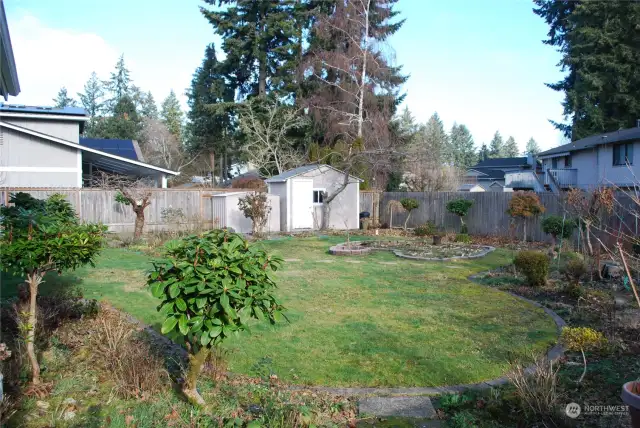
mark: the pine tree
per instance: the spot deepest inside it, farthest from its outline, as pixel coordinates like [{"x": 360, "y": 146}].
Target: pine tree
[
  {"x": 259, "y": 40},
  {"x": 483, "y": 153},
  {"x": 433, "y": 140},
  {"x": 510, "y": 149},
  {"x": 171, "y": 114},
  {"x": 600, "y": 46},
  {"x": 148, "y": 108},
  {"x": 532, "y": 147},
  {"x": 92, "y": 97},
  {"x": 119, "y": 84},
  {"x": 406, "y": 126},
  {"x": 63, "y": 99},
  {"x": 462, "y": 150},
  {"x": 496, "y": 147}
]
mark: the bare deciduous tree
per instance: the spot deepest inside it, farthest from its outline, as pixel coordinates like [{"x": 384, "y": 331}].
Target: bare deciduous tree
[
  {"x": 135, "y": 192},
  {"x": 267, "y": 124},
  {"x": 162, "y": 148},
  {"x": 348, "y": 67}
]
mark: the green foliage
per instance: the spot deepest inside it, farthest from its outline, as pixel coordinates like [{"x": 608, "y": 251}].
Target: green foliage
[
  {"x": 45, "y": 235},
  {"x": 463, "y": 419},
  {"x": 459, "y": 207},
  {"x": 464, "y": 238},
  {"x": 409, "y": 204},
  {"x": 574, "y": 269},
  {"x": 171, "y": 115},
  {"x": 496, "y": 147},
  {"x": 212, "y": 285},
  {"x": 462, "y": 152},
  {"x": 449, "y": 402},
  {"x": 534, "y": 265},
  {"x": 582, "y": 339},
  {"x": 598, "y": 41},
  {"x": 427, "y": 229},
  {"x": 394, "y": 181},
  {"x": 558, "y": 227},
  {"x": 532, "y": 147},
  {"x": 255, "y": 206},
  {"x": 510, "y": 149},
  {"x": 63, "y": 99},
  {"x": 121, "y": 199}
]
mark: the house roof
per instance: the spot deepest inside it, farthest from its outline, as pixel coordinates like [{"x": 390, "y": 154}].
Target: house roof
[
  {"x": 65, "y": 111},
  {"x": 489, "y": 173},
  {"x": 9, "y": 84},
  {"x": 593, "y": 141},
  {"x": 124, "y": 148},
  {"x": 301, "y": 170},
  {"x": 113, "y": 162},
  {"x": 501, "y": 162},
  {"x": 467, "y": 187}
]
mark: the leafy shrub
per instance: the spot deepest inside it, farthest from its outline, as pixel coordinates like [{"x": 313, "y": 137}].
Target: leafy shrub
[
  {"x": 460, "y": 207},
  {"x": 463, "y": 237},
  {"x": 534, "y": 265},
  {"x": 453, "y": 401},
  {"x": 409, "y": 204},
  {"x": 211, "y": 286},
  {"x": 524, "y": 205},
  {"x": 582, "y": 339},
  {"x": 574, "y": 269},
  {"x": 558, "y": 227},
  {"x": 463, "y": 419},
  {"x": 427, "y": 229}
]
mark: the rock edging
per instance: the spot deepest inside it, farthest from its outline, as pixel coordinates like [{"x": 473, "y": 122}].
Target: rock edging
[{"x": 486, "y": 250}]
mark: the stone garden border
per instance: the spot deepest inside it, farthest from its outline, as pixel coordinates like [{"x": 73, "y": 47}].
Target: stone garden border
[{"x": 355, "y": 248}]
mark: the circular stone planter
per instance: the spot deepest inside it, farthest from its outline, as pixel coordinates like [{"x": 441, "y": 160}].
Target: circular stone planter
[
  {"x": 413, "y": 250},
  {"x": 354, "y": 248},
  {"x": 632, "y": 400}
]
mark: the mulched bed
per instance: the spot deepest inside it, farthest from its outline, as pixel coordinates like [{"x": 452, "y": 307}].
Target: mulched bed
[{"x": 423, "y": 249}]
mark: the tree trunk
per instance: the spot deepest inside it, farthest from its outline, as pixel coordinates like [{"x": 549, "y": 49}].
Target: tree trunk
[
  {"x": 195, "y": 367},
  {"x": 139, "y": 225},
  {"x": 407, "y": 220},
  {"x": 326, "y": 212},
  {"x": 587, "y": 230},
  {"x": 524, "y": 230},
  {"x": 584, "y": 372},
  {"x": 262, "y": 77},
  {"x": 33, "y": 279},
  {"x": 363, "y": 78}
]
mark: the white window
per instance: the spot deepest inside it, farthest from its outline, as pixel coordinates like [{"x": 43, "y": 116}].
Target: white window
[{"x": 318, "y": 196}]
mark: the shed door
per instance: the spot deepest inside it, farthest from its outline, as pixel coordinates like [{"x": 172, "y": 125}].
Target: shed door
[{"x": 302, "y": 204}]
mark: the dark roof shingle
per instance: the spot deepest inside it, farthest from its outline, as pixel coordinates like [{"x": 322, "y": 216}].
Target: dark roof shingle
[{"x": 595, "y": 140}]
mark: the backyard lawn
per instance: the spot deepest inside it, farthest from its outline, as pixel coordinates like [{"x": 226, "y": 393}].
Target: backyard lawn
[{"x": 375, "y": 320}]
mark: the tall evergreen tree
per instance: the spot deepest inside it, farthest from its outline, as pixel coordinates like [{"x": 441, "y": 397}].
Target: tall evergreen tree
[
  {"x": 434, "y": 140},
  {"x": 259, "y": 40},
  {"x": 496, "y": 147},
  {"x": 148, "y": 108},
  {"x": 119, "y": 84},
  {"x": 92, "y": 98},
  {"x": 210, "y": 124},
  {"x": 462, "y": 150},
  {"x": 532, "y": 147},
  {"x": 63, "y": 99},
  {"x": 483, "y": 153},
  {"x": 171, "y": 114},
  {"x": 510, "y": 149},
  {"x": 125, "y": 124},
  {"x": 600, "y": 46}
]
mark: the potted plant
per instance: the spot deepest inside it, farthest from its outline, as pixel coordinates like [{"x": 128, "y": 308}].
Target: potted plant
[{"x": 631, "y": 397}]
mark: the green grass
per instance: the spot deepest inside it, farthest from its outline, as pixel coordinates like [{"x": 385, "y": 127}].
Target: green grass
[{"x": 383, "y": 321}]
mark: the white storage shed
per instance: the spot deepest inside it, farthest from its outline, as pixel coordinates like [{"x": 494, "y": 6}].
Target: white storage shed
[
  {"x": 227, "y": 214},
  {"x": 301, "y": 193}
]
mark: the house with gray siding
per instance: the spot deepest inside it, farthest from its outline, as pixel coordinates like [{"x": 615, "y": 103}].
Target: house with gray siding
[
  {"x": 493, "y": 174},
  {"x": 301, "y": 191},
  {"x": 610, "y": 159},
  {"x": 40, "y": 147}
]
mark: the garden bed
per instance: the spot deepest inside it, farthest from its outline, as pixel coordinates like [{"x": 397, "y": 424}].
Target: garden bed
[{"x": 422, "y": 250}]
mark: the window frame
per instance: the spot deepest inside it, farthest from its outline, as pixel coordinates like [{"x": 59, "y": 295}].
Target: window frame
[
  {"x": 628, "y": 154},
  {"x": 554, "y": 163},
  {"x": 320, "y": 194},
  {"x": 567, "y": 161}
]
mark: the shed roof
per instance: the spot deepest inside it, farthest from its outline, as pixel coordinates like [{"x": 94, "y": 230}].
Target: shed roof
[
  {"x": 301, "y": 170},
  {"x": 593, "y": 141},
  {"x": 124, "y": 148}
]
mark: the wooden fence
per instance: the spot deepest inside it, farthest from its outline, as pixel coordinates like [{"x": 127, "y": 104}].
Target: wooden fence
[
  {"x": 488, "y": 215},
  {"x": 98, "y": 205}
]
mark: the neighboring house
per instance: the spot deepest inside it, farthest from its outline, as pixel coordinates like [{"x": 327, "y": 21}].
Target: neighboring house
[
  {"x": 610, "y": 159},
  {"x": 492, "y": 174},
  {"x": 301, "y": 193},
  {"x": 9, "y": 84},
  {"x": 40, "y": 147},
  {"x": 471, "y": 188}
]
